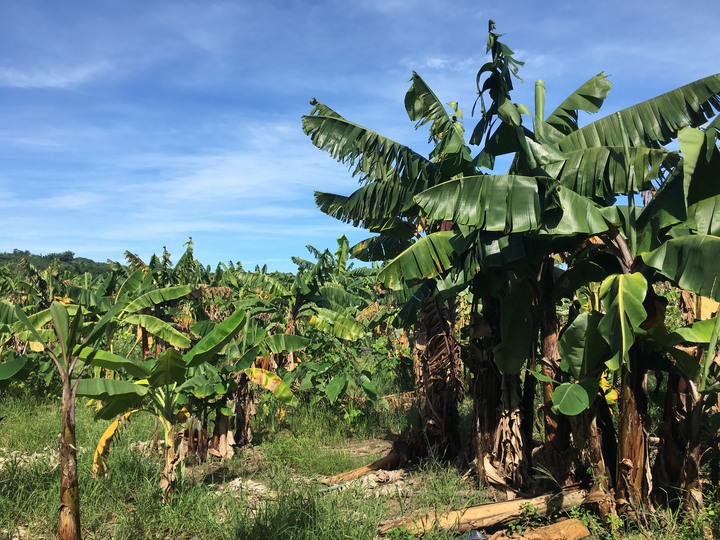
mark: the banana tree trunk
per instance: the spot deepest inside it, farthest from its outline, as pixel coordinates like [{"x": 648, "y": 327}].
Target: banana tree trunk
[
  {"x": 676, "y": 472},
  {"x": 693, "y": 495},
  {"x": 486, "y": 383},
  {"x": 557, "y": 453},
  {"x": 486, "y": 401},
  {"x": 595, "y": 451},
  {"x": 511, "y": 451},
  {"x": 172, "y": 456},
  {"x": 289, "y": 363},
  {"x": 438, "y": 378},
  {"x": 244, "y": 412},
  {"x": 69, "y": 527},
  {"x": 223, "y": 438},
  {"x": 632, "y": 483}
]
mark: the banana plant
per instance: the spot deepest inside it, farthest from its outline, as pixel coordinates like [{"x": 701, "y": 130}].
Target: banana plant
[
  {"x": 162, "y": 387},
  {"x": 391, "y": 174},
  {"x": 223, "y": 381},
  {"x": 70, "y": 338}
]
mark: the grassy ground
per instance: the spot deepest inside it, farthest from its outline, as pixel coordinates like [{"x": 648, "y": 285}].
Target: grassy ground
[{"x": 271, "y": 490}]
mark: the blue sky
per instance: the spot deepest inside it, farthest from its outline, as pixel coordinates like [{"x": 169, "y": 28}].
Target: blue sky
[{"x": 129, "y": 125}]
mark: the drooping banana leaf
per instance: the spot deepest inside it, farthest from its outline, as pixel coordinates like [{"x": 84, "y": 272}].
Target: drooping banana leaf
[
  {"x": 159, "y": 328},
  {"x": 380, "y": 248},
  {"x": 157, "y": 296},
  {"x": 653, "y": 122},
  {"x": 622, "y": 297},
  {"x": 701, "y": 172},
  {"x": 169, "y": 368},
  {"x": 213, "y": 342},
  {"x": 336, "y": 324},
  {"x": 426, "y": 258},
  {"x": 516, "y": 326},
  {"x": 272, "y": 383},
  {"x": 109, "y": 388},
  {"x": 371, "y": 202},
  {"x": 373, "y": 156},
  {"x": 490, "y": 202},
  {"x": 606, "y": 170},
  {"x": 108, "y": 360},
  {"x": 689, "y": 261},
  {"x": 581, "y": 346},
  {"x": 279, "y": 343},
  {"x": 424, "y": 107},
  {"x": 567, "y": 213}
]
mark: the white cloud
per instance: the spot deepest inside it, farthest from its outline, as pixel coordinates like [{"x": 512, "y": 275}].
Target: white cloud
[{"x": 52, "y": 76}]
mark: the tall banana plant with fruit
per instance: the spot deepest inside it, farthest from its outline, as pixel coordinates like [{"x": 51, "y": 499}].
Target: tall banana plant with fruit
[
  {"x": 623, "y": 155},
  {"x": 578, "y": 172},
  {"x": 391, "y": 174},
  {"x": 585, "y": 170}
]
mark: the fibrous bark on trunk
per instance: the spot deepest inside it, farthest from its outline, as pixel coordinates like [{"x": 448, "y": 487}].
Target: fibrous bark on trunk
[
  {"x": 595, "y": 454},
  {"x": 676, "y": 472},
  {"x": 244, "y": 411},
  {"x": 69, "y": 528},
  {"x": 633, "y": 483},
  {"x": 486, "y": 382},
  {"x": 438, "y": 377},
  {"x": 556, "y": 454}
]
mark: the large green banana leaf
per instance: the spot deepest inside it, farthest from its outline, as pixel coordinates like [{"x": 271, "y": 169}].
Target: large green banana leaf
[
  {"x": 108, "y": 360},
  {"x": 278, "y": 343},
  {"x": 652, "y": 122},
  {"x": 380, "y": 248},
  {"x": 373, "y": 156},
  {"x": 701, "y": 170},
  {"x": 109, "y": 388},
  {"x": 213, "y": 342},
  {"x": 589, "y": 97},
  {"x": 427, "y": 258},
  {"x": 339, "y": 295},
  {"x": 567, "y": 213},
  {"x": 169, "y": 369},
  {"x": 157, "y": 296},
  {"x": 606, "y": 170},
  {"x": 516, "y": 327},
  {"x": 11, "y": 367},
  {"x": 371, "y": 202},
  {"x": 582, "y": 347},
  {"x": 691, "y": 262},
  {"x": 159, "y": 328},
  {"x": 336, "y": 324},
  {"x": 490, "y": 202},
  {"x": 622, "y": 297}
]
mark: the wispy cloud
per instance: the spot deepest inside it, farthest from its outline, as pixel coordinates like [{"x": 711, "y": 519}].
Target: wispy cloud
[{"x": 52, "y": 76}]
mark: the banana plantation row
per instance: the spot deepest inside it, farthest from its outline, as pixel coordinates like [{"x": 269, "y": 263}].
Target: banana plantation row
[{"x": 546, "y": 284}]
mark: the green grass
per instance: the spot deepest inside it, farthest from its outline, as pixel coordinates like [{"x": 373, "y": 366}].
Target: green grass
[{"x": 288, "y": 458}]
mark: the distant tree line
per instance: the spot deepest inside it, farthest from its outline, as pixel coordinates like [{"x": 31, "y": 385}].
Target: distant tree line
[{"x": 65, "y": 262}]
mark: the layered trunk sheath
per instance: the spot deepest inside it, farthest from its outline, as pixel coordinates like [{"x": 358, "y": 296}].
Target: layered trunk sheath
[
  {"x": 69, "y": 527},
  {"x": 438, "y": 377},
  {"x": 556, "y": 453},
  {"x": 632, "y": 484}
]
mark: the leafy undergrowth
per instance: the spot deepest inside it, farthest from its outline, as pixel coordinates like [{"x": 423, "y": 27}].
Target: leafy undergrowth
[{"x": 273, "y": 489}]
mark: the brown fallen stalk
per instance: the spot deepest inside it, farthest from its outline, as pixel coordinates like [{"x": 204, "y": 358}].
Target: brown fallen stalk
[
  {"x": 486, "y": 515},
  {"x": 567, "y": 529},
  {"x": 393, "y": 460}
]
